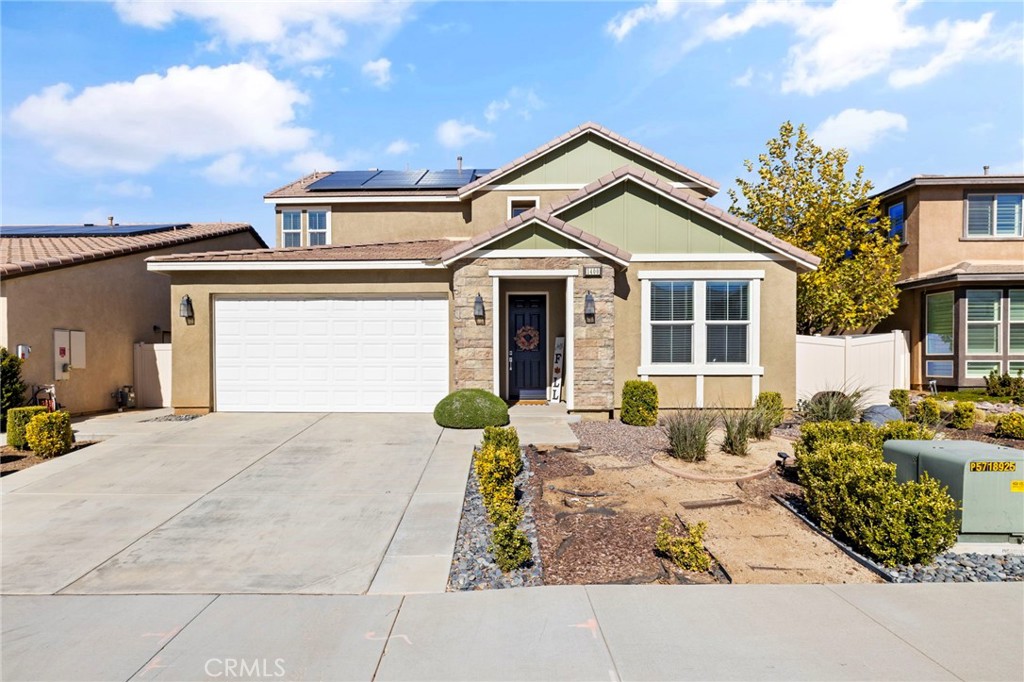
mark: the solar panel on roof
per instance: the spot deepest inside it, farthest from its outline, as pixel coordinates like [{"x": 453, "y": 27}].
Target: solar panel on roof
[
  {"x": 85, "y": 230},
  {"x": 390, "y": 179},
  {"x": 446, "y": 179},
  {"x": 342, "y": 180}
]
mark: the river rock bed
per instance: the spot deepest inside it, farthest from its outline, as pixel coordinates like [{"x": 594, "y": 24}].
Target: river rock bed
[
  {"x": 964, "y": 568},
  {"x": 473, "y": 566}
]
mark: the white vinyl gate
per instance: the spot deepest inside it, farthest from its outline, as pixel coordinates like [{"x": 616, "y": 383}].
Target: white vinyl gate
[
  {"x": 330, "y": 355},
  {"x": 153, "y": 374},
  {"x": 873, "y": 363}
]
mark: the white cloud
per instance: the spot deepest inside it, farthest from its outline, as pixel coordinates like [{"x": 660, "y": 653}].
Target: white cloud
[
  {"x": 378, "y": 71},
  {"x": 314, "y": 71},
  {"x": 745, "y": 79},
  {"x": 229, "y": 169},
  {"x": 849, "y": 40},
  {"x": 297, "y": 31},
  {"x": 305, "y": 163},
  {"x": 186, "y": 114},
  {"x": 453, "y": 133},
  {"x": 622, "y": 24},
  {"x": 399, "y": 147},
  {"x": 522, "y": 101},
  {"x": 128, "y": 189},
  {"x": 858, "y": 130}
]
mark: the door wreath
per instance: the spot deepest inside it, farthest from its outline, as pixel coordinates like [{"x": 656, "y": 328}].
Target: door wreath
[{"x": 527, "y": 338}]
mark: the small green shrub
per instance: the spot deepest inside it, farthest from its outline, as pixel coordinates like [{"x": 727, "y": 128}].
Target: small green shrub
[
  {"x": 49, "y": 434},
  {"x": 511, "y": 547},
  {"x": 639, "y": 403},
  {"x": 12, "y": 387},
  {"x": 833, "y": 406},
  {"x": 17, "y": 419},
  {"x": 815, "y": 434},
  {"x": 900, "y": 399},
  {"x": 928, "y": 413},
  {"x": 1005, "y": 385},
  {"x": 471, "y": 408},
  {"x": 737, "y": 427},
  {"x": 1010, "y": 426},
  {"x": 903, "y": 431},
  {"x": 685, "y": 551},
  {"x": 963, "y": 416},
  {"x": 502, "y": 437},
  {"x": 771, "y": 403},
  {"x": 688, "y": 432}
]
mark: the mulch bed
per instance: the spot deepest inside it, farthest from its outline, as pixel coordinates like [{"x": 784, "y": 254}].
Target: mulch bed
[
  {"x": 982, "y": 432},
  {"x": 12, "y": 460}
]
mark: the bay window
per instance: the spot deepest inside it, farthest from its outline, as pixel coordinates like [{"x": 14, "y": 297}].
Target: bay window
[
  {"x": 983, "y": 318},
  {"x": 1017, "y": 322},
  {"x": 939, "y": 324}
]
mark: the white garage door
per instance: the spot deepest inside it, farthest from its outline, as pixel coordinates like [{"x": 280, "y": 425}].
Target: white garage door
[{"x": 331, "y": 355}]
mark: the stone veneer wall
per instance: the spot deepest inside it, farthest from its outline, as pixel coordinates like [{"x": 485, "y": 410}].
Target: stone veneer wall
[{"x": 593, "y": 361}]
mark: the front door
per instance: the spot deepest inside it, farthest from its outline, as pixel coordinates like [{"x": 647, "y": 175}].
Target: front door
[{"x": 527, "y": 352}]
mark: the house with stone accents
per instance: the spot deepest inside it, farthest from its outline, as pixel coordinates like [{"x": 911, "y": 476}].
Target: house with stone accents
[{"x": 558, "y": 276}]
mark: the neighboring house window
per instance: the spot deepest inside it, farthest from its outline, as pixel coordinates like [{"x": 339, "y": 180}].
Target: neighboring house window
[
  {"x": 700, "y": 326},
  {"x": 1017, "y": 322},
  {"x": 896, "y": 227},
  {"x": 983, "y": 308},
  {"x": 979, "y": 370},
  {"x": 994, "y": 215},
  {"x": 291, "y": 228},
  {"x": 939, "y": 324},
  {"x": 939, "y": 368},
  {"x": 317, "y": 228},
  {"x": 1015, "y": 366},
  {"x": 517, "y": 205}
]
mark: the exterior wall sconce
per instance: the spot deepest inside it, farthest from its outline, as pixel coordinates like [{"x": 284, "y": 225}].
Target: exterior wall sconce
[
  {"x": 589, "y": 308},
  {"x": 478, "y": 308},
  {"x": 186, "y": 311}
]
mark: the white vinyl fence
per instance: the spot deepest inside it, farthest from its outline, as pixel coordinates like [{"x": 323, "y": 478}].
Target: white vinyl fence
[
  {"x": 873, "y": 363},
  {"x": 153, "y": 374}
]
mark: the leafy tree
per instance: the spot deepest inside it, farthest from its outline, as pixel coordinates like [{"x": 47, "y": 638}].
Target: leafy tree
[
  {"x": 12, "y": 388},
  {"x": 802, "y": 195}
]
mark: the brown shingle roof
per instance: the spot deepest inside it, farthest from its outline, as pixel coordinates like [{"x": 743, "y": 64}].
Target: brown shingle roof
[
  {"x": 429, "y": 249},
  {"x": 589, "y": 127},
  {"x": 967, "y": 271},
  {"x": 26, "y": 255},
  {"x": 545, "y": 218}
]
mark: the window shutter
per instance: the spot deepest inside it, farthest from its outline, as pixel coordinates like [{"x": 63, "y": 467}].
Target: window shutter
[
  {"x": 940, "y": 324},
  {"x": 979, "y": 215},
  {"x": 1008, "y": 215}
]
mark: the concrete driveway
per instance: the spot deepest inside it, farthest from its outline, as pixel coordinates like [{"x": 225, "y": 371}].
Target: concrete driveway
[{"x": 241, "y": 503}]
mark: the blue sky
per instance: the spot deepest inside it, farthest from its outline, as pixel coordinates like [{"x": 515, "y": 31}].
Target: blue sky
[{"x": 191, "y": 111}]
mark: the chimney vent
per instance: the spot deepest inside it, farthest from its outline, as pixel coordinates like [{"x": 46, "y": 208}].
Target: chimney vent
[
  {"x": 985, "y": 168},
  {"x": 458, "y": 163},
  {"x": 110, "y": 219}
]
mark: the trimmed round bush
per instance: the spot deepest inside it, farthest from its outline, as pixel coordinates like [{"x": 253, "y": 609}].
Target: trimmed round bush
[
  {"x": 639, "y": 403},
  {"x": 17, "y": 419},
  {"x": 471, "y": 408},
  {"x": 49, "y": 434},
  {"x": 1010, "y": 426}
]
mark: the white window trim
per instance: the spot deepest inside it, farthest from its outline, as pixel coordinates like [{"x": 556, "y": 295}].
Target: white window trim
[
  {"x": 952, "y": 342},
  {"x": 305, "y": 222},
  {"x": 513, "y": 199},
  {"x": 967, "y": 371},
  {"x": 998, "y": 322},
  {"x": 301, "y": 230},
  {"x": 995, "y": 201},
  {"x": 701, "y": 369}
]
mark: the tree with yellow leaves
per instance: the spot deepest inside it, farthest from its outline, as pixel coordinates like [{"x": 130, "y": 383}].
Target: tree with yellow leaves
[{"x": 802, "y": 195}]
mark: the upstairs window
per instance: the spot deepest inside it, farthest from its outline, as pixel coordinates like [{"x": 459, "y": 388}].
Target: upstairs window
[
  {"x": 291, "y": 228},
  {"x": 518, "y": 205},
  {"x": 994, "y": 215},
  {"x": 317, "y": 228},
  {"x": 896, "y": 222}
]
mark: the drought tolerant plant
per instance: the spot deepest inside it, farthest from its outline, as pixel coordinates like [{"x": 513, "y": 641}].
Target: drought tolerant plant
[
  {"x": 1010, "y": 426},
  {"x": 737, "y": 426},
  {"x": 814, "y": 436},
  {"x": 761, "y": 422},
  {"x": 511, "y": 546},
  {"x": 17, "y": 419},
  {"x": 639, "y": 403},
  {"x": 770, "y": 402},
  {"x": 49, "y": 434},
  {"x": 12, "y": 387},
  {"x": 685, "y": 551},
  {"x": 928, "y": 413},
  {"x": 903, "y": 431},
  {"x": 471, "y": 408},
  {"x": 502, "y": 437},
  {"x": 900, "y": 399},
  {"x": 1005, "y": 385},
  {"x": 688, "y": 432},
  {"x": 833, "y": 406},
  {"x": 496, "y": 464},
  {"x": 963, "y": 416}
]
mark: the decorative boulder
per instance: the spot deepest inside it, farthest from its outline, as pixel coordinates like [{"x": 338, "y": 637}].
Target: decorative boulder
[{"x": 877, "y": 415}]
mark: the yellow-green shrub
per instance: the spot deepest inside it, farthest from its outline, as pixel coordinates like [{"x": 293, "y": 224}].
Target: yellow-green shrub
[
  {"x": 963, "y": 416},
  {"x": 496, "y": 464},
  {"x": 812, "y": 434},
  {"x": 511, "y": 546},
  {"x": 903, "y": 431},
  {"x": 639, "y": 403},
  {"x": 17, "y": 419},
  {"x": 927, "y": 412},
  {"x": 502, "y": 437},
  {"x": 1010, "y": 426},
  {"x": 771, "y": 403},
  {"x": 49, "y": 434},
  {"x": 900, "y": 399},
  {"x": 685, "y": 551}
]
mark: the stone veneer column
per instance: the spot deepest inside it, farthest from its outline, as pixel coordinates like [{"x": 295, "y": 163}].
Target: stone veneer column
[{"x": 593, "y": 361}]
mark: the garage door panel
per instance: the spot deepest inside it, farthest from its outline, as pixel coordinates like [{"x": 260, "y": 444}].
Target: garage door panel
[{"x": 331, "y": 354}]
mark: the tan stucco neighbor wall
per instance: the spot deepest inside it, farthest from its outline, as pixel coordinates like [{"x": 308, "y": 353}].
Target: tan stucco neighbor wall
[
  {"x": 116, "y": 302},
  {"x": 193, "y": 361}
]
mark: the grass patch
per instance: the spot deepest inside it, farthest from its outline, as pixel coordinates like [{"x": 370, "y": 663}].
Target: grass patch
[{"x": 975, "y": 395}]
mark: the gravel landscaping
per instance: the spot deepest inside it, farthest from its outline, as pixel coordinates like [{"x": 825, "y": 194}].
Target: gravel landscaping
[
  {"x": 174, "y": 418},
  {"x": 964, "y": 568},
  {"x": 473, "y": 566}
]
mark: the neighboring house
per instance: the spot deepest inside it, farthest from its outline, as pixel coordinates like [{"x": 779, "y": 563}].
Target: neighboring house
[
  {"x": 85, "y": 289},
  {"x": 590, "y": 253},
  {"x": 962, "y": 283}
]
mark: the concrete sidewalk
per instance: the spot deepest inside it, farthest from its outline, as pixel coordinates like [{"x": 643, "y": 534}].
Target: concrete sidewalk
[{"x": 762, "y": 632}]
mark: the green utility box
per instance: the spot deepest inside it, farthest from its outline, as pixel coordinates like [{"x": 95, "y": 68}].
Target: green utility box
[{"x": 986, "y": 480}]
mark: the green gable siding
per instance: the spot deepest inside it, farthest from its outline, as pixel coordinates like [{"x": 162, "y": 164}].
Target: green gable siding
[
  {"x": 642, "y": 221},
  {"x": 582, "y": 161},
  {"x": 534, "y": 237}
]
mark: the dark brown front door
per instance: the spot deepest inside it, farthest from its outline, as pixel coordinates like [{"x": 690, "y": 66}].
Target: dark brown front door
[{"x": 527, "y": 351}]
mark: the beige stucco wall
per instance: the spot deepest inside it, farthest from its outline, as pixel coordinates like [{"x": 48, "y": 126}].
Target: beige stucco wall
[
  {"x": 490, "y": 207},
  {"x": 116, "y": 302},
  {"x": 778, "y": 338},
  {"x": 193, "y": 362}
]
